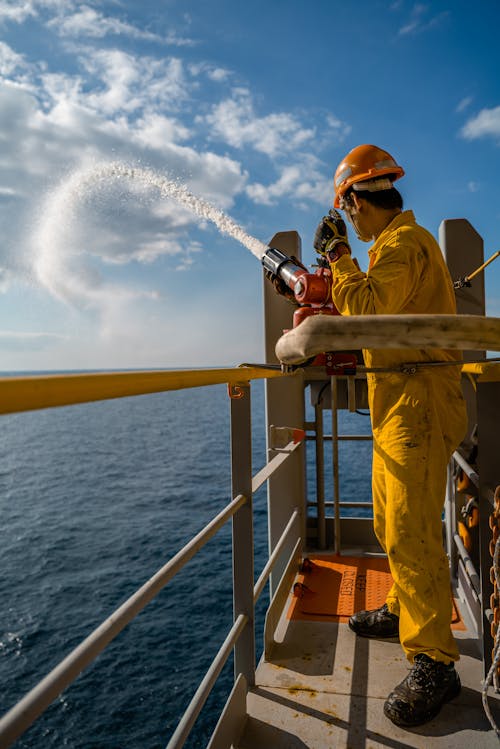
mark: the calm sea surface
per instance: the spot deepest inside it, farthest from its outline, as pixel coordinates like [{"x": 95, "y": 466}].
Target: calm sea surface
[{"x": 94, "y": 500}]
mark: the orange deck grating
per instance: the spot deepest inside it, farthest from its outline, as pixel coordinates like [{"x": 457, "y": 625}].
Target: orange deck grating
[{"x": 332, "y": 588}]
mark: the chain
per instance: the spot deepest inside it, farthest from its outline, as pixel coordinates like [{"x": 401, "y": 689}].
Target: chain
[
  {"x": 492, "y": 677},
  {"x": 494, "y": 523}
]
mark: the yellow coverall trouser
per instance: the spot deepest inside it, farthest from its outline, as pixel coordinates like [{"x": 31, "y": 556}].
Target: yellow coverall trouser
[{"x": 418, "y": 421}]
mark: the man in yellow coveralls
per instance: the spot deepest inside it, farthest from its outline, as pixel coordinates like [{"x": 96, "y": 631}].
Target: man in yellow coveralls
[{"x": 418, "y": 420}]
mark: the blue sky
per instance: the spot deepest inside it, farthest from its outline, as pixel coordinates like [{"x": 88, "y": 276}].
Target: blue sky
[{"x": 251, "y": 105}]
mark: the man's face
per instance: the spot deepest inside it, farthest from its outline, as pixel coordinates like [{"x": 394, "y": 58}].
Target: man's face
[{"x": 356, "y": 210}]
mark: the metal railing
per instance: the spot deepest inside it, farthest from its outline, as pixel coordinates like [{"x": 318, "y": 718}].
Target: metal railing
[
  {"x": 27, "y": 393},
  {"x": 319, "y": 438}
]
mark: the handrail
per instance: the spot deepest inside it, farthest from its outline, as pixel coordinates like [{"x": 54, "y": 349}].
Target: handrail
[
  {"x": 200, "y": 697},
  {"x": 262, "y": 476},
  {"x": 34, "y": 392},
  {"x": 268, "y": 568},
  {"x": 22, "y": 715},
  {"x": 466, "y": 468}
]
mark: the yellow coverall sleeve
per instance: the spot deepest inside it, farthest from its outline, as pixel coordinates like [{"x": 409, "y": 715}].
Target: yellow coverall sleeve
[{"x": 387, "y": 288}]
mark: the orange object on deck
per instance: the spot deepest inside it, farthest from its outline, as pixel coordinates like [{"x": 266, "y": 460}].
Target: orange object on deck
[{"x": 332, "y": 588}]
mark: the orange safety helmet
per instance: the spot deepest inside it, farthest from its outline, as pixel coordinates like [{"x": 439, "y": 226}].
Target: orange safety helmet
[{"x": 363, "y": 163}]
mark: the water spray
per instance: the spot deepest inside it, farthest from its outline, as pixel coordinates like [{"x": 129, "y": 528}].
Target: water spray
[
  {"x": 63, "y": 272},
  {"x": 312, "y": 291}
]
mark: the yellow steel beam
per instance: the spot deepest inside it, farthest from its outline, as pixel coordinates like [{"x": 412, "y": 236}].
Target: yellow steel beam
[{"x": 48, "y": 391}]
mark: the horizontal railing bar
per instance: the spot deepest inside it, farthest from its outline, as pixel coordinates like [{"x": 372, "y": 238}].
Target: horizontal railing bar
[
  {"x": 468, "y": 563},
  {"x": 22, "y": 715},
  {"x": 273, "y": 465},
  {"x": 30, "y": 393},
  {"x": 466, "y": 468},
  {"x": 355, "y": 504},
  {"x": 200, "y": 696},
  {"x": 342, "y": 437},
  {"x": 343, "y": 504},
  {"x": 264, "y": 575}
]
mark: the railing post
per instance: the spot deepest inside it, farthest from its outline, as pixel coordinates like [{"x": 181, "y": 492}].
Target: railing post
[
  {"x": 243, "y": 563},
  {"x": 320, "y": 475},
  {"x": 284, "y": 407},
  {"x": 335, "y": 463}
]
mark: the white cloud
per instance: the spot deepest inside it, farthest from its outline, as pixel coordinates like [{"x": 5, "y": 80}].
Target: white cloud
[
  {"x": 268, "y": 194},
  {"x": 5, "y": 279},
  {"x": 8, "y": 192},
  {"x": 75, "y": 20},
  {"x": 235, "y": 121},
  {"x": 11, "y": 340},
  {"x": 212, "y": 72},
  {"x": 484, "y": 124},
  {"x": 159, "y": 132},
  {"x": 9, "y": 60},
  {"x": 218, "y": 74},
  {"x": 298, "y": 183},
  {"x": 16, "y": 11},
  {"x": 420, "y": 21},
  {"x": 89, "y": 22},
  {"x": 126, "y": 82},
  {"x": 174, "y": 40},
  {"x": 341, "y": 129},
  {"x": 285, "y": 140},
  {"x": 464, "y": 103}
]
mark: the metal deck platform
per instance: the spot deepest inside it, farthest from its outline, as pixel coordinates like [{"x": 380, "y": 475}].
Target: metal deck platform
[{"x": 324, "y": 688}]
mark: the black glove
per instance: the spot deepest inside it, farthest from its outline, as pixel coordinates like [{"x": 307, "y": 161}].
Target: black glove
[
  {"x": 280, "y": 286},
  {"x": 330, "y": 232}
]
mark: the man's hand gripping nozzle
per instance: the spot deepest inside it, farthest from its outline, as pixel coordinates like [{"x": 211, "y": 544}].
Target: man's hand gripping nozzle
[{"x": 293, "y": 280}]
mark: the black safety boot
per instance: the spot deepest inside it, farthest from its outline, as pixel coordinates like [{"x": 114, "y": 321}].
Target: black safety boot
[
  {"x": 421, "y": 695},
  {"x": 379, "y": 623}
]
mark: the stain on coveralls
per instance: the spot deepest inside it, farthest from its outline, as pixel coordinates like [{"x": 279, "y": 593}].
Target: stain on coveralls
[{"x": 418, "y": 421}]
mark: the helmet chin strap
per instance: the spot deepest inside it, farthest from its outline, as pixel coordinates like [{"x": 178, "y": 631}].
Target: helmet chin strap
[{"x": 353, "y": 223}]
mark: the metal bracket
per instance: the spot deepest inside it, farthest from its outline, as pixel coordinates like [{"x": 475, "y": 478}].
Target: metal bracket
[
  {"x": 280, "y": 437},
  {"x": 340, "y": 364}
]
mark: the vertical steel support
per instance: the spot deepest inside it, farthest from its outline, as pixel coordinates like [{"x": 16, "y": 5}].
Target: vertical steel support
[
  {"x": 463, "y": 249},
  {"x": 335, "y": 464},
  {"x": 320, "y": 475},
  {"x": 243, "y": 563},
  {"x": 286, "y": 490}
]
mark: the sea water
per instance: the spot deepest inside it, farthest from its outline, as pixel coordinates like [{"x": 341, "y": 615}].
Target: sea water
[{"x": 94, "y": 500}]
